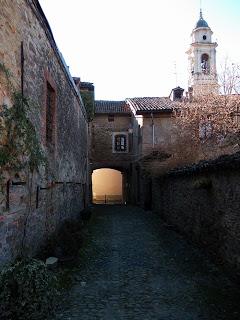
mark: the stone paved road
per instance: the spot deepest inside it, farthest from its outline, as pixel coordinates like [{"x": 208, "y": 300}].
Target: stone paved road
[{"x": 134, "y": 268}]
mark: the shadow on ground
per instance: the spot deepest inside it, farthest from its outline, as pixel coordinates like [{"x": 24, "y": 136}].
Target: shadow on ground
[{"x": 132, "y": 267}]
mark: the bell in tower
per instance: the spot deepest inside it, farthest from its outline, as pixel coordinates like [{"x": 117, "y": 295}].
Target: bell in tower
[{"x": 202, "y": 60}]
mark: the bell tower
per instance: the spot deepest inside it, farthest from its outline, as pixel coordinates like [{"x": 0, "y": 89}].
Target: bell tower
[{"x": 202, "y": 60}]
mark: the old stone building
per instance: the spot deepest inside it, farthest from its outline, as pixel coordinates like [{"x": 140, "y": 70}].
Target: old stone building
[
  {"x": 132, "y": 136},
  {"x": 112, "y": 139},
  {"x": 146, "y": 126},
  {"x": 36, "y": 88}
]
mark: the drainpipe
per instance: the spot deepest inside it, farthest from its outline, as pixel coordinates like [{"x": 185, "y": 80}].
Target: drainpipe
[{"x": 153, "y": 131}]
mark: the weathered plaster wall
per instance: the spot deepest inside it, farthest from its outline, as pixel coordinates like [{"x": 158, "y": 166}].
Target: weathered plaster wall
[
  {"x": 204, "y": 204},
  {"x": 161, "y": 137},
  {"x": 33, "y": 205}
]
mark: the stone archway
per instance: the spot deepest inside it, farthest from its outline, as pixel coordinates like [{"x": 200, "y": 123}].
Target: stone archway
[{"x": 107, "y": 186}]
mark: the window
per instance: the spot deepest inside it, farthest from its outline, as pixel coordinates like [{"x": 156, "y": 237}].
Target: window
[
  {"x": 120, "y": 142},
  {"x": 204, "y": 37},
  {"x": 236, "y": 116},
  {"x": 205, "y": 129},
  {"x": 50, "y": 114}
]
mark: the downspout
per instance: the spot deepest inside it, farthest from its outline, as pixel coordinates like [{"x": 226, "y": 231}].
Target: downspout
[{"x": 153, "y": 131}]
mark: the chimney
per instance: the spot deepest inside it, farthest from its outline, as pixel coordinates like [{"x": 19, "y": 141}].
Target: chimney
[{"x": 177, "y": 94}]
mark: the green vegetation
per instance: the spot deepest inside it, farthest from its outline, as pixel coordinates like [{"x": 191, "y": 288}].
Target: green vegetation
[
  {"x": 27, "y": 291},
  {"x": 20, "y": 145},
  {"x": 202, "y": 183},
  {"x": 5, "y": 71},
  {"x": 88, "y": 100}
]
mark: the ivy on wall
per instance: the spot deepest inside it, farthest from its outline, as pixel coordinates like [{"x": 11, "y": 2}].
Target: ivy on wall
[
  {"x": 19, "y": 144},
  {"x": 88, "y": 100},
  {"x": 6, "y": 72}
]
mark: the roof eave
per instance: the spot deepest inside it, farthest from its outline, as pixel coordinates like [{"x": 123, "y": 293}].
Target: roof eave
[
  {"x": 139, "y": 112},
  {"x": 114, "y": 113}
]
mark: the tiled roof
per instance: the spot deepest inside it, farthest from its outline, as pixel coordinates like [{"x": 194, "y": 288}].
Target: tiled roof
[
  {"x": 151, "y": 104},
  {"x": 105, "y": 106}
]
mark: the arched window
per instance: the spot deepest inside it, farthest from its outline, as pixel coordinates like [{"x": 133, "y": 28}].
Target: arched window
[{"x": 205, "y": 63}]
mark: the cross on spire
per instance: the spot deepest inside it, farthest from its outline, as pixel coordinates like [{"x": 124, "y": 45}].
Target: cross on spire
[{"x": 201, "y": 16}]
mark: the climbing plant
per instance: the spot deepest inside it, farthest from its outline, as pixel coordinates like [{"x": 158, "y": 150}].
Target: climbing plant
[
  {"x": 19, "y": 144},
  {"x": 5, "y": 70},
  {"x": 88, "y": 100}
]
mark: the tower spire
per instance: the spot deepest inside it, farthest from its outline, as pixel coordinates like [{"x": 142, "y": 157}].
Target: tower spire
[{"x": 202, "y": 59}]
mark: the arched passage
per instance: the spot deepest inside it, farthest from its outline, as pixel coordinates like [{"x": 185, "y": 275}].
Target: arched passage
[{"x": 107, "y": 186}]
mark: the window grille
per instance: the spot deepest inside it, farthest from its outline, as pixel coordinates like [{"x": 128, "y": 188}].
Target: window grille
[{"x": 121, "y": 143}]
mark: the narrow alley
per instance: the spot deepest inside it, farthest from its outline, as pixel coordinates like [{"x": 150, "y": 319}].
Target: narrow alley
[{"x": 135, "y": 268}]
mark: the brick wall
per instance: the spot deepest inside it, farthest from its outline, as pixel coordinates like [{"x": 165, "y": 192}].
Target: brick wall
[{"x": 32, "y": 206}]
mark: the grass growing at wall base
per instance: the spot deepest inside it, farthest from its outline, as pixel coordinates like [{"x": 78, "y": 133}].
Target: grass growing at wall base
[{"x": 27, "y": 291}]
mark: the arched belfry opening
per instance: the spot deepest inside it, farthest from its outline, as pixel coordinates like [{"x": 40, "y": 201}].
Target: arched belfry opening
[
  {"x": 107, "y": 186},
  {"x": 205, "y": 63}
]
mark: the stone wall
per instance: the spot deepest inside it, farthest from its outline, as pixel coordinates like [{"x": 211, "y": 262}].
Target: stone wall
[
  {"x": 103, "y": 155},
  {"x": 102, "y": 141},
  {"x": 203, "y": 202},
  {"x": 33, "y": 204}
]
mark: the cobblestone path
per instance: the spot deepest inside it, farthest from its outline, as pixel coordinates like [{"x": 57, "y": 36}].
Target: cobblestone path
[{"x": 134, "y": 268}]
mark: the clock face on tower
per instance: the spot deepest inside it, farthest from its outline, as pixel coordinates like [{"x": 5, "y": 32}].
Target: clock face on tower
[{"x": 204, "y": 37}]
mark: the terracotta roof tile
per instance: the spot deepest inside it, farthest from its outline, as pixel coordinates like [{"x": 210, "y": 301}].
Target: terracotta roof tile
[
  {"x": 151, "y": 104},
  {"x": 106, "y": 106}
]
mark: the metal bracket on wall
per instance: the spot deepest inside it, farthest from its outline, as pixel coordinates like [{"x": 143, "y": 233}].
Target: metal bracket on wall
[{"x": 19, "y": 183}]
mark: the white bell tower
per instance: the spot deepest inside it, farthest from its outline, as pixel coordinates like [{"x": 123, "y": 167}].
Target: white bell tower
[{"x": 202, "y": 60}]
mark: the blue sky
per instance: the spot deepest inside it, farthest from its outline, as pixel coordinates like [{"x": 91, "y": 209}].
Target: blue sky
[{"x": 129, "y": 48}]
